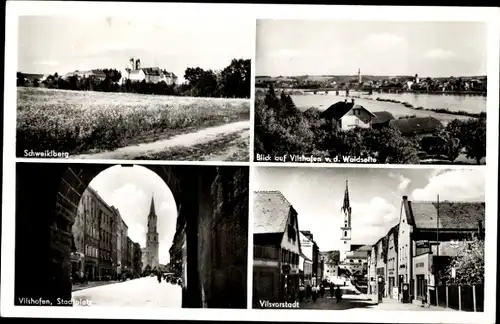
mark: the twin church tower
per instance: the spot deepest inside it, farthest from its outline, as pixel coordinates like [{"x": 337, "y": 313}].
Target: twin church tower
[{"x": 150, "y": 252}]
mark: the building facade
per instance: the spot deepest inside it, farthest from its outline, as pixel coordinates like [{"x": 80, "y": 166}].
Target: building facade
[
  {"x": 276, "y": 248},
  {"x": 417, "y": 251},
  {"x": 137, "y": 262},
  {"x": 119, "y": 240},
  {"x": 305, "y": 260},
  {"x": 124, "y": 247}
]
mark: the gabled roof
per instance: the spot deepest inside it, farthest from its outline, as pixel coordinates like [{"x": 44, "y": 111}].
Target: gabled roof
[
  {"x": 416, "y": 125},
  {"x": 382, "y": 117},
  {"x": 340, "y": 109},
  {"x": 271, "y": 211},
  {"x": 452, "y": 215},
  {"x": 337, "y": 110}
]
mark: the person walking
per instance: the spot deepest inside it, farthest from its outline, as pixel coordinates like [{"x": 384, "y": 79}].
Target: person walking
[
  {"x": 332, "y": 289},
  {"x": 159, "y": 277},
  {"x": 302, "y": 291},
  {"x": 308, "y": 292},
  {"x": 338, "y": 294}
]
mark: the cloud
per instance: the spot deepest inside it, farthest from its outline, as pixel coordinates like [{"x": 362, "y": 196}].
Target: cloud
[
  {"x": 454, "y": 185},
  {"x": 439, "y": 54},
  {"x": 287, "y": 52},
  {"x": 48, "y": 62},
  {"x": 372, "y": 219},
  {"x": 404, "y": 182},
  {"x": 384, "y": 39}
]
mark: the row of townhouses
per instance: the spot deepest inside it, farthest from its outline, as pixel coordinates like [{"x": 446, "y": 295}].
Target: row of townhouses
[
  {"x": 102, "y": 249},
  {"x": 284, "y": 256},
  {"x": 410, "y": 261}
]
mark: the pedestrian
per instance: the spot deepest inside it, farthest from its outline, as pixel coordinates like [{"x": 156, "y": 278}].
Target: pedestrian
[
  {"x": 332, "y": 289},
  {"x": 338, "y": 294},
  {"x": 308, "y": 292},
  {"x": 302, "y": 291},
  {"x": 314, "y": 294},
  {"x": 322, "y": 291},
  {"x": 159, "y": 277}
]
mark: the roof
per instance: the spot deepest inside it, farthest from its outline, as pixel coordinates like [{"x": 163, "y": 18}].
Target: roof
[
  {"x": 33, "y": 76},
  {"x": 152, "y": 71},
  {"x": 452, "y": 215},
  {"x": 416, "y": 125},
  {"x": 340, "y": 108},
  {"x": 271, "y": 210},
  {"x": 357, "y": 255},
  {"x": 382, "y": 117},
  {"x": 337, "y": 110}
]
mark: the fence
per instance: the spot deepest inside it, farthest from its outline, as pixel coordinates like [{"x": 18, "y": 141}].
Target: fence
[{"x": 460, "y": 297}]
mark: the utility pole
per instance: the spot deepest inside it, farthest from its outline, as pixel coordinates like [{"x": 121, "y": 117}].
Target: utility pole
[{"x": 437, "y": 227}]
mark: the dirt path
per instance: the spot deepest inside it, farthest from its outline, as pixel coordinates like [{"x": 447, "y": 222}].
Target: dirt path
[{"x": 185, "y": 140}]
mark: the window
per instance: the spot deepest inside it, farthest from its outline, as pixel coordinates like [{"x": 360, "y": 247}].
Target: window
[
  {"x": 356, "y": 122},
  {"x": 345, "y": 233}
]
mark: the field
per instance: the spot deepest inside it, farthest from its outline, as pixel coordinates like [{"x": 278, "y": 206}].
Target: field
[{"x": 84, "y": 121}]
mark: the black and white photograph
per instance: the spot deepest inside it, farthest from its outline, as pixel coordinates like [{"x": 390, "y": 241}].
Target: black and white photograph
[
  {"x": 383, "y": 92},
  {"x": 128, "y": 88},
  {"x": 369, "y": 238},
  {"x": 131, "y": 235}
]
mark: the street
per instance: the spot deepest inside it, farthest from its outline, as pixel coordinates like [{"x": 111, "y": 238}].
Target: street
[{"x": 137, "y": 292}]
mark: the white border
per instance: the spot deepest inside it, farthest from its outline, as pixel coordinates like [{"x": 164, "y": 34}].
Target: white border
[{"x": 251, "y": 12}]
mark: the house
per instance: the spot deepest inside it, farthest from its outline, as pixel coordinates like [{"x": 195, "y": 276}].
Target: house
[
  {"x": 416, "y": 125},
  {"x": 306, "y": 259},
  {"x": 276, "y": 247},
  {"x": 427, "y": 235},
  {"x": 348, "y": 115},
  {"x": 382, "y": 119},
  {"x": 317, "y": 264},
  {"x": 31, "y": 78},
  {"x": 331, "y": 260}
]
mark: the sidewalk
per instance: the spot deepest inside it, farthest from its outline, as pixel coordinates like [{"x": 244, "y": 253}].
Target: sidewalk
[
  {"x": 92, "y": 284},
  {"x": 394, "y": 304}
]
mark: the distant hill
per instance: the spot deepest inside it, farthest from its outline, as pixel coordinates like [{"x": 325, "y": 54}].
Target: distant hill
[{"x": 365, "y": 77}]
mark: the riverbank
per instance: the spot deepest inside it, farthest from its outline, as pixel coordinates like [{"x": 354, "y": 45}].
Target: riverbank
[{"x": 441, "y": 110}]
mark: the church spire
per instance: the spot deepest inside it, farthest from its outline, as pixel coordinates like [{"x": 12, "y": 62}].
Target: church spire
[
  {"x": 152, "y": 208},
  {"x": 346, "y": 207}
]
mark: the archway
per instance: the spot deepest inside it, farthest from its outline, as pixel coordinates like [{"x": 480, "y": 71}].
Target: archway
[
  {"x": 123, "y": 231},
  {"x": 211, "y": 229}
]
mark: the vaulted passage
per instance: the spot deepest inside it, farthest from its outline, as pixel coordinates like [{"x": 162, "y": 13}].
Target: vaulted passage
[{"x": 212, "y": 220}]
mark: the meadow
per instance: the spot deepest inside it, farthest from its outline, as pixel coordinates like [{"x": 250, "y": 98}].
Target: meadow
[{"x": 85, "y": 121}]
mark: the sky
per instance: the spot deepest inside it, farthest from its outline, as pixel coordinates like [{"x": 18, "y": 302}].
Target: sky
[
  {"x": 130, "y": 190},
  {"x": 375, "y": 196},
  {"x": 429, "y": 49},
  {"x": 49, "y": 44}
]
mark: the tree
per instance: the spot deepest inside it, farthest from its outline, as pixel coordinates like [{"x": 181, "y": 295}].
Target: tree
[
  {"x": 441, "y": 143},
  {"x": 475, "y": 139},
  {"x": 235, "y": 79},
  {"x": 468, "y": 264},
  {"x": 20, "y": 79}
]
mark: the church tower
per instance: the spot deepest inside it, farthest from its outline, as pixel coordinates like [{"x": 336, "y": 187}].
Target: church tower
[
  {"x": 346, "y": 213},
  {"x": 359, "y": 75},
  {"x": 152, "y": 238}
]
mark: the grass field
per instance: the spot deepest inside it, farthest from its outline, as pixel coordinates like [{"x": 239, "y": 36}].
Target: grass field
[{"x": 79, "y": 121}]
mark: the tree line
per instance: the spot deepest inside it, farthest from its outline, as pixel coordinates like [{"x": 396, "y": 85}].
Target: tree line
[
  {"x": 281, "y": 128},
  {"x": 231, "y": 82}
]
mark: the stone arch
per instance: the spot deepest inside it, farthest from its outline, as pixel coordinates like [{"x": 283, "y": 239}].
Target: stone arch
[{"x": 212, "y": 209}]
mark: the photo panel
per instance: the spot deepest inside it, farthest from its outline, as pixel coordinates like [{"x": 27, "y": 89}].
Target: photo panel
[
  {"x": 120, "y": 87},
  {"x": 369, "y": 239},
  {"x": 131, "y": 235},
  {"x": 375, "y": 92}
]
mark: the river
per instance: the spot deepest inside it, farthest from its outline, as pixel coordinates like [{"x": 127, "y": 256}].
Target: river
[{"x": 473, "y": 104}]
